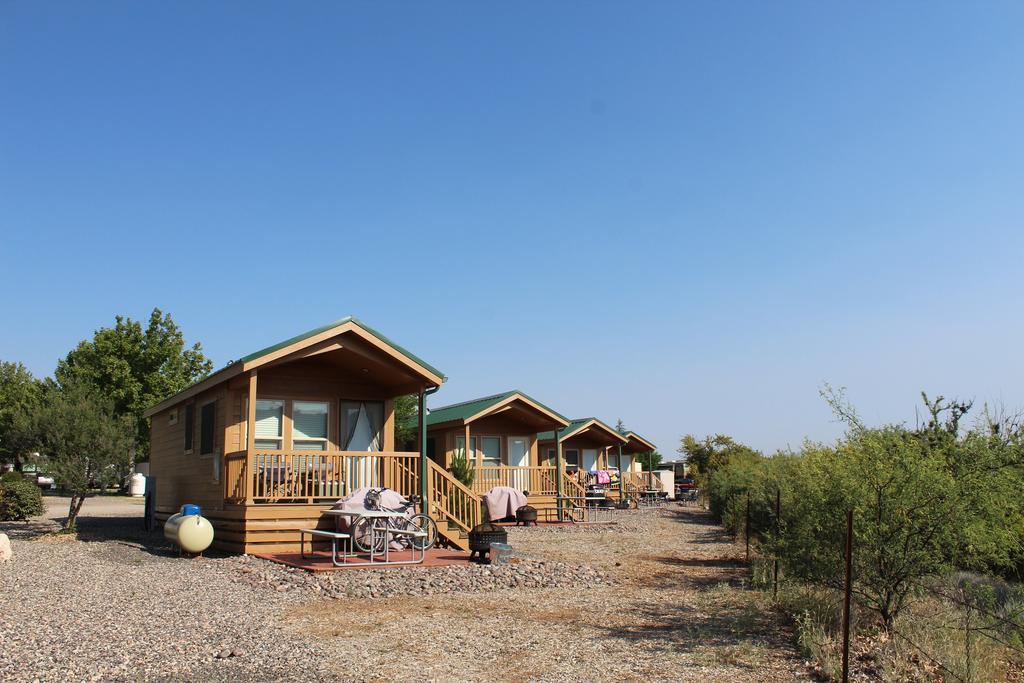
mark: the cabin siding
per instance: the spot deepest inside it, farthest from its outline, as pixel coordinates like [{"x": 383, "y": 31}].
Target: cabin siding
[
  {"x": 446, "y": 439},
  {"x": 188, "y": 477}
]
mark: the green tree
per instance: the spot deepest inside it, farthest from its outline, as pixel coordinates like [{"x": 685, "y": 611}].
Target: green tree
[
  {"x": 650, "y": 460},
  {"x": 20, "y": 396},
  {"x": 620, "y": 427},
  {"x": 705, "y": 455},
  {"x": 135, "y": 367},
  {"x": 86, "y": 443},
  {"x": 406, "y": 414}
]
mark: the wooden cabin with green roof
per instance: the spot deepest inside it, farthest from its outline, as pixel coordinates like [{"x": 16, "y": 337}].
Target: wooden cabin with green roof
[
  {"x": 501, "y": 431},
  {"x": 634, "y": 478},
  {"x": 268, "y": 442},
  {"x": 586, "y": 443}
]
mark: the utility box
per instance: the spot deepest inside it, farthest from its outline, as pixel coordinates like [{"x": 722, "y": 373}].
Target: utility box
[{"x": 668, "y": 482}]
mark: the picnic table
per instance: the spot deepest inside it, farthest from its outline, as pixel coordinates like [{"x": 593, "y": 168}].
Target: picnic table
[
  {"x": 379, "y": 526},
  {"x": 592, "y": 511}
]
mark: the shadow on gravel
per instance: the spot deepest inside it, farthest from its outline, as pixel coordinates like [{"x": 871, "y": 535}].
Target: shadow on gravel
[
  {"x": 712, "y": 562},
  {"x": 127, "y": 532},
  {"x": 26, "y": 531},
  {"x": 726, "y": 626},
  {"x": 690, "y": 515}
]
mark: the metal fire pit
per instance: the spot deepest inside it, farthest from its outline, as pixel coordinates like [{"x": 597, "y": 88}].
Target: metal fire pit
[
  {"x": 526, "y": 515},
  {"x": 482, "y": 536}
]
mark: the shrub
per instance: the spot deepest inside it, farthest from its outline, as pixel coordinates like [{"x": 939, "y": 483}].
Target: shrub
[
  {"x": 462, "y": 470},
  {"x": 19, "y": 498}
]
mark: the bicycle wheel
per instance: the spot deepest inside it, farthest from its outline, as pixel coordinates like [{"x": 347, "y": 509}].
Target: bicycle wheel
[
  {"x": 363, "y": 537},
  {"x": 424, "y": 523}
]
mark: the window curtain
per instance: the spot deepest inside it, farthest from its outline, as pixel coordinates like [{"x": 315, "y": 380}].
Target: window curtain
[{"x": 362, "y": 425}]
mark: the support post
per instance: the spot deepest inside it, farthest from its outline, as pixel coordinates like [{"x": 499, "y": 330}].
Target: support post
[
  {"x": 778, "y": 527},
  {"x": 618, "y": 466},
  {"x": 424, "y": 469},
  {"x": 250, "y": 442},
  {"x": 746, "y": 530},
  {"x": 559, "y": 473},
  {"x": 848, "y": 590}
]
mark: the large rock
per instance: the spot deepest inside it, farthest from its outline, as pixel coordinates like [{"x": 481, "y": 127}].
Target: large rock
[{"x": 5, "y": 548}]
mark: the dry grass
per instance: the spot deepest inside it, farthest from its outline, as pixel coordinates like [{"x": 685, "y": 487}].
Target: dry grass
[{"x": 679, "y": 610}]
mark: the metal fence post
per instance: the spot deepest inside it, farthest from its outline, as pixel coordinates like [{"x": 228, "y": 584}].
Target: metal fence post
[
  {"x": 846, "y": 596},
  {"x": 746, "y": 532},
  {"x": 778, "y": 527}
]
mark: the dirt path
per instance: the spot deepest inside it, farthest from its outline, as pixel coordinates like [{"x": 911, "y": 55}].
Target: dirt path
[
  {"x": 678, "y": 612},
  {"x": 117, "y": 603}
]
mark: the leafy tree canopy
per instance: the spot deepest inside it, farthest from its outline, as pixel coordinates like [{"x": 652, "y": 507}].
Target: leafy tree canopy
[
  {"x": 20, "y": 394},
  {"x": 706, "y": 455},
  {"x": 136, "y": 367},
  {"x": 406, "y": 414},
  {"x": 650, "y": 460},
  {"x": 86, "y": 443}
]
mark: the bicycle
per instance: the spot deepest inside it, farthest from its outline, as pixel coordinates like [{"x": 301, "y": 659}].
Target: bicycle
[{"x": 372, "y": 534}]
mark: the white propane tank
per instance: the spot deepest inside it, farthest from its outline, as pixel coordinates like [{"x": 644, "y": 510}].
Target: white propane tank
[
  {"x": 137, "y": 485},
  {"x": 192, "y": 533}
]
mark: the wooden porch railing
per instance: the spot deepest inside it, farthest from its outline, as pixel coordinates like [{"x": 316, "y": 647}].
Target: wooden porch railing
[
  {"x": 635, "y": 481},
  {"x": 538, "y": 480},
  {"x": 450, "y": 500},
  {"x": 236, "y": 468},
  {"x": 315, "y": 476}
]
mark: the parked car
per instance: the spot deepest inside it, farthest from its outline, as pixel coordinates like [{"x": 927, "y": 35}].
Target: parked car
[{"x": 45, "y": 482}]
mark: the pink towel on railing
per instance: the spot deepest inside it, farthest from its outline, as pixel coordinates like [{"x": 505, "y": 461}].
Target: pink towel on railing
[
  {"x": 603, "y": 477},
  {"x": 503, "y": 501}
]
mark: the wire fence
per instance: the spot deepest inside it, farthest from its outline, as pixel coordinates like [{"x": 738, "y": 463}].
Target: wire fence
[{"x": 975, "y": 618}]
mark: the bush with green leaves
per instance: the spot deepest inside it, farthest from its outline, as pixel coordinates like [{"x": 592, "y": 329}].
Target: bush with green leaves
[
  {"x": 19, "y": 498},
  {"x": 926, "y": 501}
]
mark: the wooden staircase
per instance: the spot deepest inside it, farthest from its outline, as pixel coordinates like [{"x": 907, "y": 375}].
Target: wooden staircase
[
  {"x": 454, "y": 507},
  {"x": 457, "y": 509}
]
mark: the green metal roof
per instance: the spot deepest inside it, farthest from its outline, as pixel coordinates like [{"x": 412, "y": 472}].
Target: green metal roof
[
  {"x": 288, "y": 342},
  {"x": 632, "y": 433},
  {"x": 466, "y": 409},
  {"x": 336, "y": 323},
  {"x": 573, "y": 426}
]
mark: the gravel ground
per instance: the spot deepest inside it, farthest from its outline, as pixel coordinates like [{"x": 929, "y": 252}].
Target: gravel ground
[{"x": 656, "y": 595}]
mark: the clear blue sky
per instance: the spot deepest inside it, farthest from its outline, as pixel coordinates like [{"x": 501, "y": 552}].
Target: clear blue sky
[{"x": 687, "y": 215}]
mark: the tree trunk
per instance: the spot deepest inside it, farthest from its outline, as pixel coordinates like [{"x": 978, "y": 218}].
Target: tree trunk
[{"x": 73, "y": 510}]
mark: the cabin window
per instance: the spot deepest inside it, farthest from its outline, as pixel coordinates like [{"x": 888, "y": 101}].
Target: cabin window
[
  {"x": 269, "y": 419},
  {"x": 460, "y": 448},
  {"x": 362, "y": 425},
  {"x": 552, "y": 457},
  {"x": 571, "y": 457},
  {"x": 207, "y": 416},
  {"x": 190, "y": 420},
  {"x": 309, "y": 425},
  {"x": 491, "y": 449}
]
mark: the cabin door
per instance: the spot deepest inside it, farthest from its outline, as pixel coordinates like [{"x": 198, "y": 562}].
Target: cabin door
[
  {"x": 519, "y": 456},
  {"x": 589, "y": 459}
]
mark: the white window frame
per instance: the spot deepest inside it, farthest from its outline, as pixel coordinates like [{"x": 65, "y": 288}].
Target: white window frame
[
  {"x": 565, "y": 457},
  {"x": 257, "y": 439},
  {"x": 484, "y": 461},
  {"x": 324, "y": 441}
]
